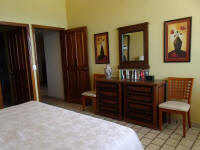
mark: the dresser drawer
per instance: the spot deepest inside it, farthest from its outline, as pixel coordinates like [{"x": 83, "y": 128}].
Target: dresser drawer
[
  {"x": 106, "y": 109},
  {"x": 140, "y": 117},
  {"x": 107, "y": 93},
  {"x": 139, "y": 98},
  {"x": 140, "y": 89},
  {"x": 107, "y": 85},
  {"x": 108, "y": 101},
  {"x": 140, "y": 108}
]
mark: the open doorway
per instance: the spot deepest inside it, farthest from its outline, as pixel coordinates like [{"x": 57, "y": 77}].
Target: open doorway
[
  {"x": 48, "y": 50},
  {"x": 15, "y": 70}
]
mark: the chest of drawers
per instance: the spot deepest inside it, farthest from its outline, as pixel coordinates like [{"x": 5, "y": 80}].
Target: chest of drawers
[{"x": 134, "y": 101}]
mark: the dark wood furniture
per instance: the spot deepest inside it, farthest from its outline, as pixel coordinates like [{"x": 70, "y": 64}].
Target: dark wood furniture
[
  {"x": 109, "y": 98},
  {"x": 141, "y": 99},
  {"x": 75, "y": 63},
  {"x": 1, "y": 97},
  {"x": 135, "y": 101},
  {"x": 91, "y": 94},
  {"x": 178, "y": 89},
  {"x": 131, "y": 29}
]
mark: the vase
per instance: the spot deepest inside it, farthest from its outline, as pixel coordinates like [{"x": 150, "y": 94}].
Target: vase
[{"x": 108, "y": 72}]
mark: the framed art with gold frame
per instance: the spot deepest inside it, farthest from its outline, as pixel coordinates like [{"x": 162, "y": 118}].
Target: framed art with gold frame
[
  {"x": 177, "y": 40},
  {"x": 101, "y": 48}
]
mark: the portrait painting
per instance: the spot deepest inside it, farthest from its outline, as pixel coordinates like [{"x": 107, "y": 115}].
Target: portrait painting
[
  {"x": 101, "y": 48},
  {"x": 177, "y": 40}
]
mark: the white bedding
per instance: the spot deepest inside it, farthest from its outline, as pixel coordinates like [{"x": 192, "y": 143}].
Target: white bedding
[{"x": 38, "y": 126}]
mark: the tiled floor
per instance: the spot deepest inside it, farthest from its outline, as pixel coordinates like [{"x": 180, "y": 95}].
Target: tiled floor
[{"x": 170, "y": 138}]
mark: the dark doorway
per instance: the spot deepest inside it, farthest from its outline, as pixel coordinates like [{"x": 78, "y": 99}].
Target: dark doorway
[{"x": 15, "y": 73}]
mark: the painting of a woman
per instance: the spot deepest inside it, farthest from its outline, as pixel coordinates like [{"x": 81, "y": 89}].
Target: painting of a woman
[{"x": 101, "y": 48}]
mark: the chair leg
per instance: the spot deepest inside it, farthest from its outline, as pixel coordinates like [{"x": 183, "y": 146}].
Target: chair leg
[
  {"x": 83, "y": 103},
  {"x": 169, "y": 118},
  {"x": 95, "y": 105},
  {"x": 189, "y": 119},
  {"x": 184, "y": 124},
  {"x": 160, "y": 119}
]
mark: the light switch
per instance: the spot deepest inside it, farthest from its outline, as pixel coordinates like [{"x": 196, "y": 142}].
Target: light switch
[{"x": 34, "y": 67}]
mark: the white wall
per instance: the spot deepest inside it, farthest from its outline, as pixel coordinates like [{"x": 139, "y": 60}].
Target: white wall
[{"x": 53, "y": 64}]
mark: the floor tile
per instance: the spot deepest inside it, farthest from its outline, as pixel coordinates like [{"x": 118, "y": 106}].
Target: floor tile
[
  {"x": 144, "y": 130},
  {"x": 156, "y": 132},
  {"x": 140, "y": 135},
  {"x": 163, "y": 136},
  {"x": 152, "y": 147},
  {"x": 179, "y": 131},
  {"x": 197, "y": 143},
  {"x": 176, "y": 136},
  {"x": 167, "y": 131},
  {"x": 167, "y": 147},
  {"x": 146, "y": 141},
  {"x": 172, "y": 142},
  {"x": 150, "y": 135},
  {"x": 158, "y": 141},
  {"x": 186, "y": 142},
  {"x": 190, "y": 137},
  {"x": 172, "y": 126},
  {"x": 181, "y": 147},
  {"x": 196, "y": 147},
  {"x": 192, "y": 132}
]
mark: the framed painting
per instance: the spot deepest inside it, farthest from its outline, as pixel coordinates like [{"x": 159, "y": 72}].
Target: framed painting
[
  {"x": 101, "y": 48},
  {"x": 177, "y": 40}
]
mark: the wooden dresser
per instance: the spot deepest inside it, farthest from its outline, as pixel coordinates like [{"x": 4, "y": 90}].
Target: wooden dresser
[{"x": 134, "y": 101}]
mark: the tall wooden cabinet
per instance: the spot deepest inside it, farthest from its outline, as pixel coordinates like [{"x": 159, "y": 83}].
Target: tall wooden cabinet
[
  {"x": 75, "y": 63},
  {"x": 133, "y": 101}
]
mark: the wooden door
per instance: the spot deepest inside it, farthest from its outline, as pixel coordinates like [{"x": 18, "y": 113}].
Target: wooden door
[
  {"x": 75, "y": 63},
  {"x": 19, "y": 66}
]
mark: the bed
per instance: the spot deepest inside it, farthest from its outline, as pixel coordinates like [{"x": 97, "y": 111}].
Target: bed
[{"x": 38, "y": 126}]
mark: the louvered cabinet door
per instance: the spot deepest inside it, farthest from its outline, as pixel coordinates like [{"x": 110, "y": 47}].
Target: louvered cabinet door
[
  {"x": 75, "y": 63},
  {"x": 19, "y": 66},
  {"x": 82, "y": 61}
]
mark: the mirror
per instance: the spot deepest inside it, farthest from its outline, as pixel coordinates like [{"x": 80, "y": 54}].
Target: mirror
[{"x": 133, "y": 46}]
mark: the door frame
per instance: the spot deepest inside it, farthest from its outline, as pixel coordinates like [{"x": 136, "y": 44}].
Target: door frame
[
  {"x": 26, "y": 26},
  {"x": 50, "y": 28}
]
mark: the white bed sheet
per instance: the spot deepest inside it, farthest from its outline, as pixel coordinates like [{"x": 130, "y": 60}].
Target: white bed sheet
[{"x": 38, "y": 126}]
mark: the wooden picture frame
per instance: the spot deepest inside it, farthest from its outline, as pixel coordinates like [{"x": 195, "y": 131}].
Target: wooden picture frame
[
  {"x": 177, "y": 40},
  {"x": 101, "y": 48}
]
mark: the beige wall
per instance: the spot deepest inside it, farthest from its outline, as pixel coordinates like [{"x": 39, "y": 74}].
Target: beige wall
[
  {"x": 53, "y": 64},
  {"x": 108, "y": 15},
  {"x": 41, "y": 12}
]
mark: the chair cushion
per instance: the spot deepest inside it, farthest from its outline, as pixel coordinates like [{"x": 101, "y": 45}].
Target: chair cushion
[
  {"x": 89, "y": 93},
  {"x": 175, "y": 105}
]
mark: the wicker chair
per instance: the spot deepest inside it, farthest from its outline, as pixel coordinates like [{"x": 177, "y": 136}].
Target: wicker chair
[
  {"x": 179, "y": 89},
  {"x": 91, "y": 94}
]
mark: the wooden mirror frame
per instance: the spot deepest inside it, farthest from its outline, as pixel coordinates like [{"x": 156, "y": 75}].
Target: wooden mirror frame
[{"x": 135, "y": 64}]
